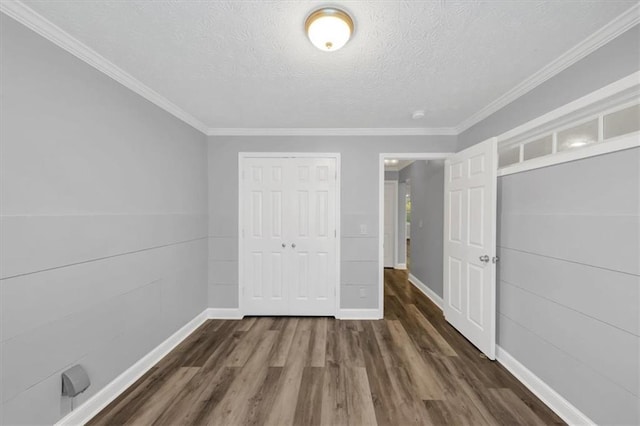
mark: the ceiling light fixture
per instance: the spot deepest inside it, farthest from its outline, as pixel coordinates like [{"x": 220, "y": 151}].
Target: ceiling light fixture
[
  {"x": 418, "y": 115},
  {"x": 329, "y": 28}
]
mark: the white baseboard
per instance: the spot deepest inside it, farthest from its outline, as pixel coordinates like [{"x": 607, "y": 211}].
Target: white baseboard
[
  {"x": 402, "y": 266},
  {"x": 539, "y": 388},
  {"x": 224, "y": 313},
  {"x": 359, "y": 314},
  {"x": 426, "y": 290},
  {"x": 104, "y": 396}
]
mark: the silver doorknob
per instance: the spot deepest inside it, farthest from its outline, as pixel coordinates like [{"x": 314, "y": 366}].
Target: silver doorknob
[
  {"x": 484, "y": 258},
  {"x": 293, "y": 245},
  {"x": 283, "y": 245}
]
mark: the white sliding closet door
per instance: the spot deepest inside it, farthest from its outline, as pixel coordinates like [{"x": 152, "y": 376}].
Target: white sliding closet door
[{"x": 289, "y": 239}]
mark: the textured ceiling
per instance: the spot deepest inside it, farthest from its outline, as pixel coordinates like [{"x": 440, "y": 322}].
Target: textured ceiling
[{"x": 248, "y": 64}]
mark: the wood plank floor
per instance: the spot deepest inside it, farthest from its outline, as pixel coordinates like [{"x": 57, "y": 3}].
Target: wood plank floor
[{"x": 411, "y": 368}]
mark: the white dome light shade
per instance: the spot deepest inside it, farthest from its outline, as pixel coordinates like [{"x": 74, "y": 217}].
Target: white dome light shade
[{"x": 329, "y": 29}]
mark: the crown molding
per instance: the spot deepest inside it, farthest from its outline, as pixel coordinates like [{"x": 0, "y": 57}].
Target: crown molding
[
  {"x": 36, "y": 22},
  {"x": 334, "y": 131},
  {"x": 604, "y": 35}
]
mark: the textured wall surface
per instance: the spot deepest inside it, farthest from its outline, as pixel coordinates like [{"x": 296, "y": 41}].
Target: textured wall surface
[
  {"x": 249, "y": 63},
  {"x": 103, "y": 221},
  {"x": 427, "y": 222},
  {"x": 569, "y": 280},
  {"x": 613, "y": 61},
  {"x": 568, "y": 284},
  {"x": 359, "y": 204}
]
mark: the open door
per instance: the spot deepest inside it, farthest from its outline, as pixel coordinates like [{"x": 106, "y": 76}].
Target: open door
[
  {"x": 470, "y": 244},
  {"x": 390, "y": 223}
]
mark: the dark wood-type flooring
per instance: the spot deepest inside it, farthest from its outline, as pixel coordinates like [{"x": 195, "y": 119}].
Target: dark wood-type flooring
[{"x": 410, "y": 368}]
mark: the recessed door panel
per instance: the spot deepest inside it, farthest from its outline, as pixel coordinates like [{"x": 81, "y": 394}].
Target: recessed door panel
[
  {"x": 475, "y": 299},
  {"x": 475, "y": 216},
  {"x": 455, "y": 216},
  {"x": 323, "y": 272},
  {"x": 257, "y": 214},
  {"x": 303, "y": 214},
  {"x": 455, "y": 284},
  {"x": 322, "y": 217},
  {"x": 277, "y": 277},
  {"x": 276, "y": 214},
  {"x": 301, "y": 266},
  {"x": 257, "y": 273}
]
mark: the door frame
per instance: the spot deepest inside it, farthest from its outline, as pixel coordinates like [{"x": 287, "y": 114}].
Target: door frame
[
  {"x": 241, "y": 157},
  {"x": 395, "y": 224},
  {"x": 382, "y": 157}
]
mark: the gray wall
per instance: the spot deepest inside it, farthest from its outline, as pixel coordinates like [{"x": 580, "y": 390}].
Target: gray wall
[
  {"x": 359, "y": 203},
  {"x": 568, "y": 284},
  {"x": 103, "y": 222},
  {"x": 402, "y": 222},
  {"x": 615, "y": 60},
  {"x": 427, "y": 221},
  {"x": 569, "y": 280},
  {"x": 391, "y": 175}
]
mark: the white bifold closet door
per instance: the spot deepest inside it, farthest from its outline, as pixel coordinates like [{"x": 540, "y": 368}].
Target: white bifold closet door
[{"x": 289, "y": 239}]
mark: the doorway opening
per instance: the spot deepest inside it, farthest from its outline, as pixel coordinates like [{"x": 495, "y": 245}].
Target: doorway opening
[{"x": 409, "y": 227}]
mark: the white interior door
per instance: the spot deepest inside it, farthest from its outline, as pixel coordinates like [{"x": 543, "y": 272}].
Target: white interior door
[
  {"x": 390, "y": 209},
  {"x": 312, "y": 233},
  {"x": 264, "y": 288},
  {"x": 470, "y": 244},
  {"x": 289, "y": 244}
]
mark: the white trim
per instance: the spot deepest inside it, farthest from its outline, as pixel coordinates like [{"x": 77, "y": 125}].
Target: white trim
[
  {"x": 36, "y": 22},
  {"x": 589, "y": 45},
  {"x": 620, "y": 143},
  {"x": 543, "y": 391},
  {"x": 359, "y": 314},
  {"x": 110, "y": 392},
  {"x": 628, "y": 84},
  {"x": 401, "y": 266},
  {"x": 224, "y": 313},
  {"x": 426, "y": 291},
  {"x": 334, "y": 131},
  {"x": 334, "y": 155},
  {"x": 400, "y": 156}
]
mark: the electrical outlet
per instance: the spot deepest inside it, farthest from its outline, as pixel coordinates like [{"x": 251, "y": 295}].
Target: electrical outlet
[
  {"x": 363, "y": 229},
  {"x": 363, "y": 293}
]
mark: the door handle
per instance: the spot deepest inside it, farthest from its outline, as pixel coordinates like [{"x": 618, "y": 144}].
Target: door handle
[
  {"x": 293, "y": 245},
  {"x": 283, "y": 245},
  {"x": 484, "y": 258}
]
